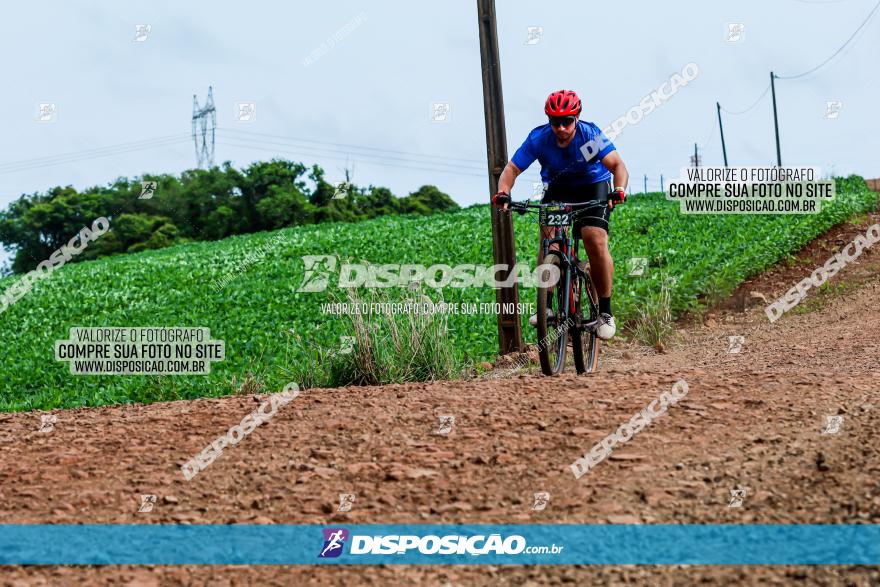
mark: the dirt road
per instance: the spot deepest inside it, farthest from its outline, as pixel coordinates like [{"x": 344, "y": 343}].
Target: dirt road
[{"x": 751, "y": 420}]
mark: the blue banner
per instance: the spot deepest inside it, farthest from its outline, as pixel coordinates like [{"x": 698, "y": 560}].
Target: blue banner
[{"x": 495, "y": 544}]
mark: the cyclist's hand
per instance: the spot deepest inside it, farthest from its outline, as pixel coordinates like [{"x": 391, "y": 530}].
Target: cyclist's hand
[
  {"x": 501, "y": 199},
  {"x": 618, "y": 196}
]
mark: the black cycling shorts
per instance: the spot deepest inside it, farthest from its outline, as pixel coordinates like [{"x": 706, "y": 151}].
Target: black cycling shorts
[{"x": 599, "y": 217}]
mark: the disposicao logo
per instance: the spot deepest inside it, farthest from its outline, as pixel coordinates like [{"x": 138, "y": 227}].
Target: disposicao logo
[{"x": 334, "y": 540}]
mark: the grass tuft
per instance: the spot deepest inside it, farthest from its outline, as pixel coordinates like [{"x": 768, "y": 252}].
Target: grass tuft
[
  {"x": 653, "y": 324},
  {"x": 387, "y": 348}
]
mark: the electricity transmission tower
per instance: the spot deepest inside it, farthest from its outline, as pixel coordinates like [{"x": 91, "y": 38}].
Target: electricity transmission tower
[{"x": 204, "y": 120}]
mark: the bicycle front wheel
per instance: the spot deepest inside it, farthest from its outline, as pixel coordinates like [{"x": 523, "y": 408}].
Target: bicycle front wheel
[{"x": 553, "y": 325}]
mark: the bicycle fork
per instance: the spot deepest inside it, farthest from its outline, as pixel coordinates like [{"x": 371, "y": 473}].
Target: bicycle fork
[{"x": 567, "y": 306}]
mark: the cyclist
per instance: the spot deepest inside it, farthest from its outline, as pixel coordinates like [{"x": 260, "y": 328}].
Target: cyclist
[{"x": 578, "y": 164}]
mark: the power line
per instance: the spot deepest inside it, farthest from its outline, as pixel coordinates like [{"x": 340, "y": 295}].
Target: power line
[
  {"x": 304, "y": 150},
  {"x": 705, "y": 143},
  {"x": 311, "y": 149},
  {"x": 841, "y": 48},
  {"x": 109, "y": 151},
  {"x": 755, "y": 103},
  {"x": 821, "y": 1},
  {"x": 482, "y": 163},
  {"x": 342, "y": 155},
  {"x": 241, "y": 143},
  {"x": 86, "y": 151}
]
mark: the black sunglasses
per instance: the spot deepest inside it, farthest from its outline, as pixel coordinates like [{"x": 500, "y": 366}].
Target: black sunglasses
[{"x": 562, "y": 120}]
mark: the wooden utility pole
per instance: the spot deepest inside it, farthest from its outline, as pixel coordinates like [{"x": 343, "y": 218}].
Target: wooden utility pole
[
  {"x": 721, "y": 128},
  {"x": 775, "y": 120},
  {"x": 509, "y": 332}
]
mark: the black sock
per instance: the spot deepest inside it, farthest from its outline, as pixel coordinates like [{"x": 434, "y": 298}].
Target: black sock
[{"x": 605, "y": 306}]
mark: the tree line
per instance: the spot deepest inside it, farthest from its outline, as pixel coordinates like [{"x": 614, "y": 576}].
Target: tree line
[{"x": 201, "y": 204}]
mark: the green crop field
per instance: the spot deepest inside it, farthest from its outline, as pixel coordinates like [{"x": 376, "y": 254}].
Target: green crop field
[{"x": 259, "y": 313}]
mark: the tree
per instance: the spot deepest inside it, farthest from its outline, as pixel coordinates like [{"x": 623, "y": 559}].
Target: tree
[
  {"x": 427, "y": 200},
  {"x": 284, "y": 207},
  {"x": 136, "y": 232},
  {"x": 263, "y": 175},
  {"x": 40, "y": 224},
  {"x": 378, "y": 202}
]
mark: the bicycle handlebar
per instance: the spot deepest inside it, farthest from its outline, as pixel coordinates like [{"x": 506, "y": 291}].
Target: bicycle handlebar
[
  {"x": 589, "y": 204},
  {"x": 523, "y": 207}
]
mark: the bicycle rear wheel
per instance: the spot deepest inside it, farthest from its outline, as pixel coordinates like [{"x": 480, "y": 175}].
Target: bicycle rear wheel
[
  {"x": 553, "y": 331},
  {"x": 584, "y": 342}
]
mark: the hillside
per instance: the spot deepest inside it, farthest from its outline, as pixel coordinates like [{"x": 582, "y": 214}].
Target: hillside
[{"x": 258, "y": 311}]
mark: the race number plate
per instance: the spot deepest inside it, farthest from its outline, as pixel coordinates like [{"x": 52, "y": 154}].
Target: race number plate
[{"x": 558, "y": 218}]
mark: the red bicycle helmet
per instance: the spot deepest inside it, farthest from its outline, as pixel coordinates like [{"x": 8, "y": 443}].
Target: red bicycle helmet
[{"x": 562, "y": 103}]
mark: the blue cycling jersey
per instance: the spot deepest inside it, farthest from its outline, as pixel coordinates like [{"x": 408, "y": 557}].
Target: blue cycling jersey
[{"x": 566, "y": 167}]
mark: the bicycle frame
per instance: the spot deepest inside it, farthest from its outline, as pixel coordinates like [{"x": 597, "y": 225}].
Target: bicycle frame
[
  {"x": 568, "y": 247},
  {"x": 560, "y": 237}
]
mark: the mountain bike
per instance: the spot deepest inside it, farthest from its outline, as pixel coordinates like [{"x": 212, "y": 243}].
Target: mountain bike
[{"x": 572, "y": 300}]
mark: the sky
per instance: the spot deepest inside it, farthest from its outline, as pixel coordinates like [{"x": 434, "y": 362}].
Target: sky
[{"x": 353, "y": 85}]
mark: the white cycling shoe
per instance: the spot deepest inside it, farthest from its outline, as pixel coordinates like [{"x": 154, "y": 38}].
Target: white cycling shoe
[
  {"x": 604, "y": 326},
  {"x": 533, "y": 319}
]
